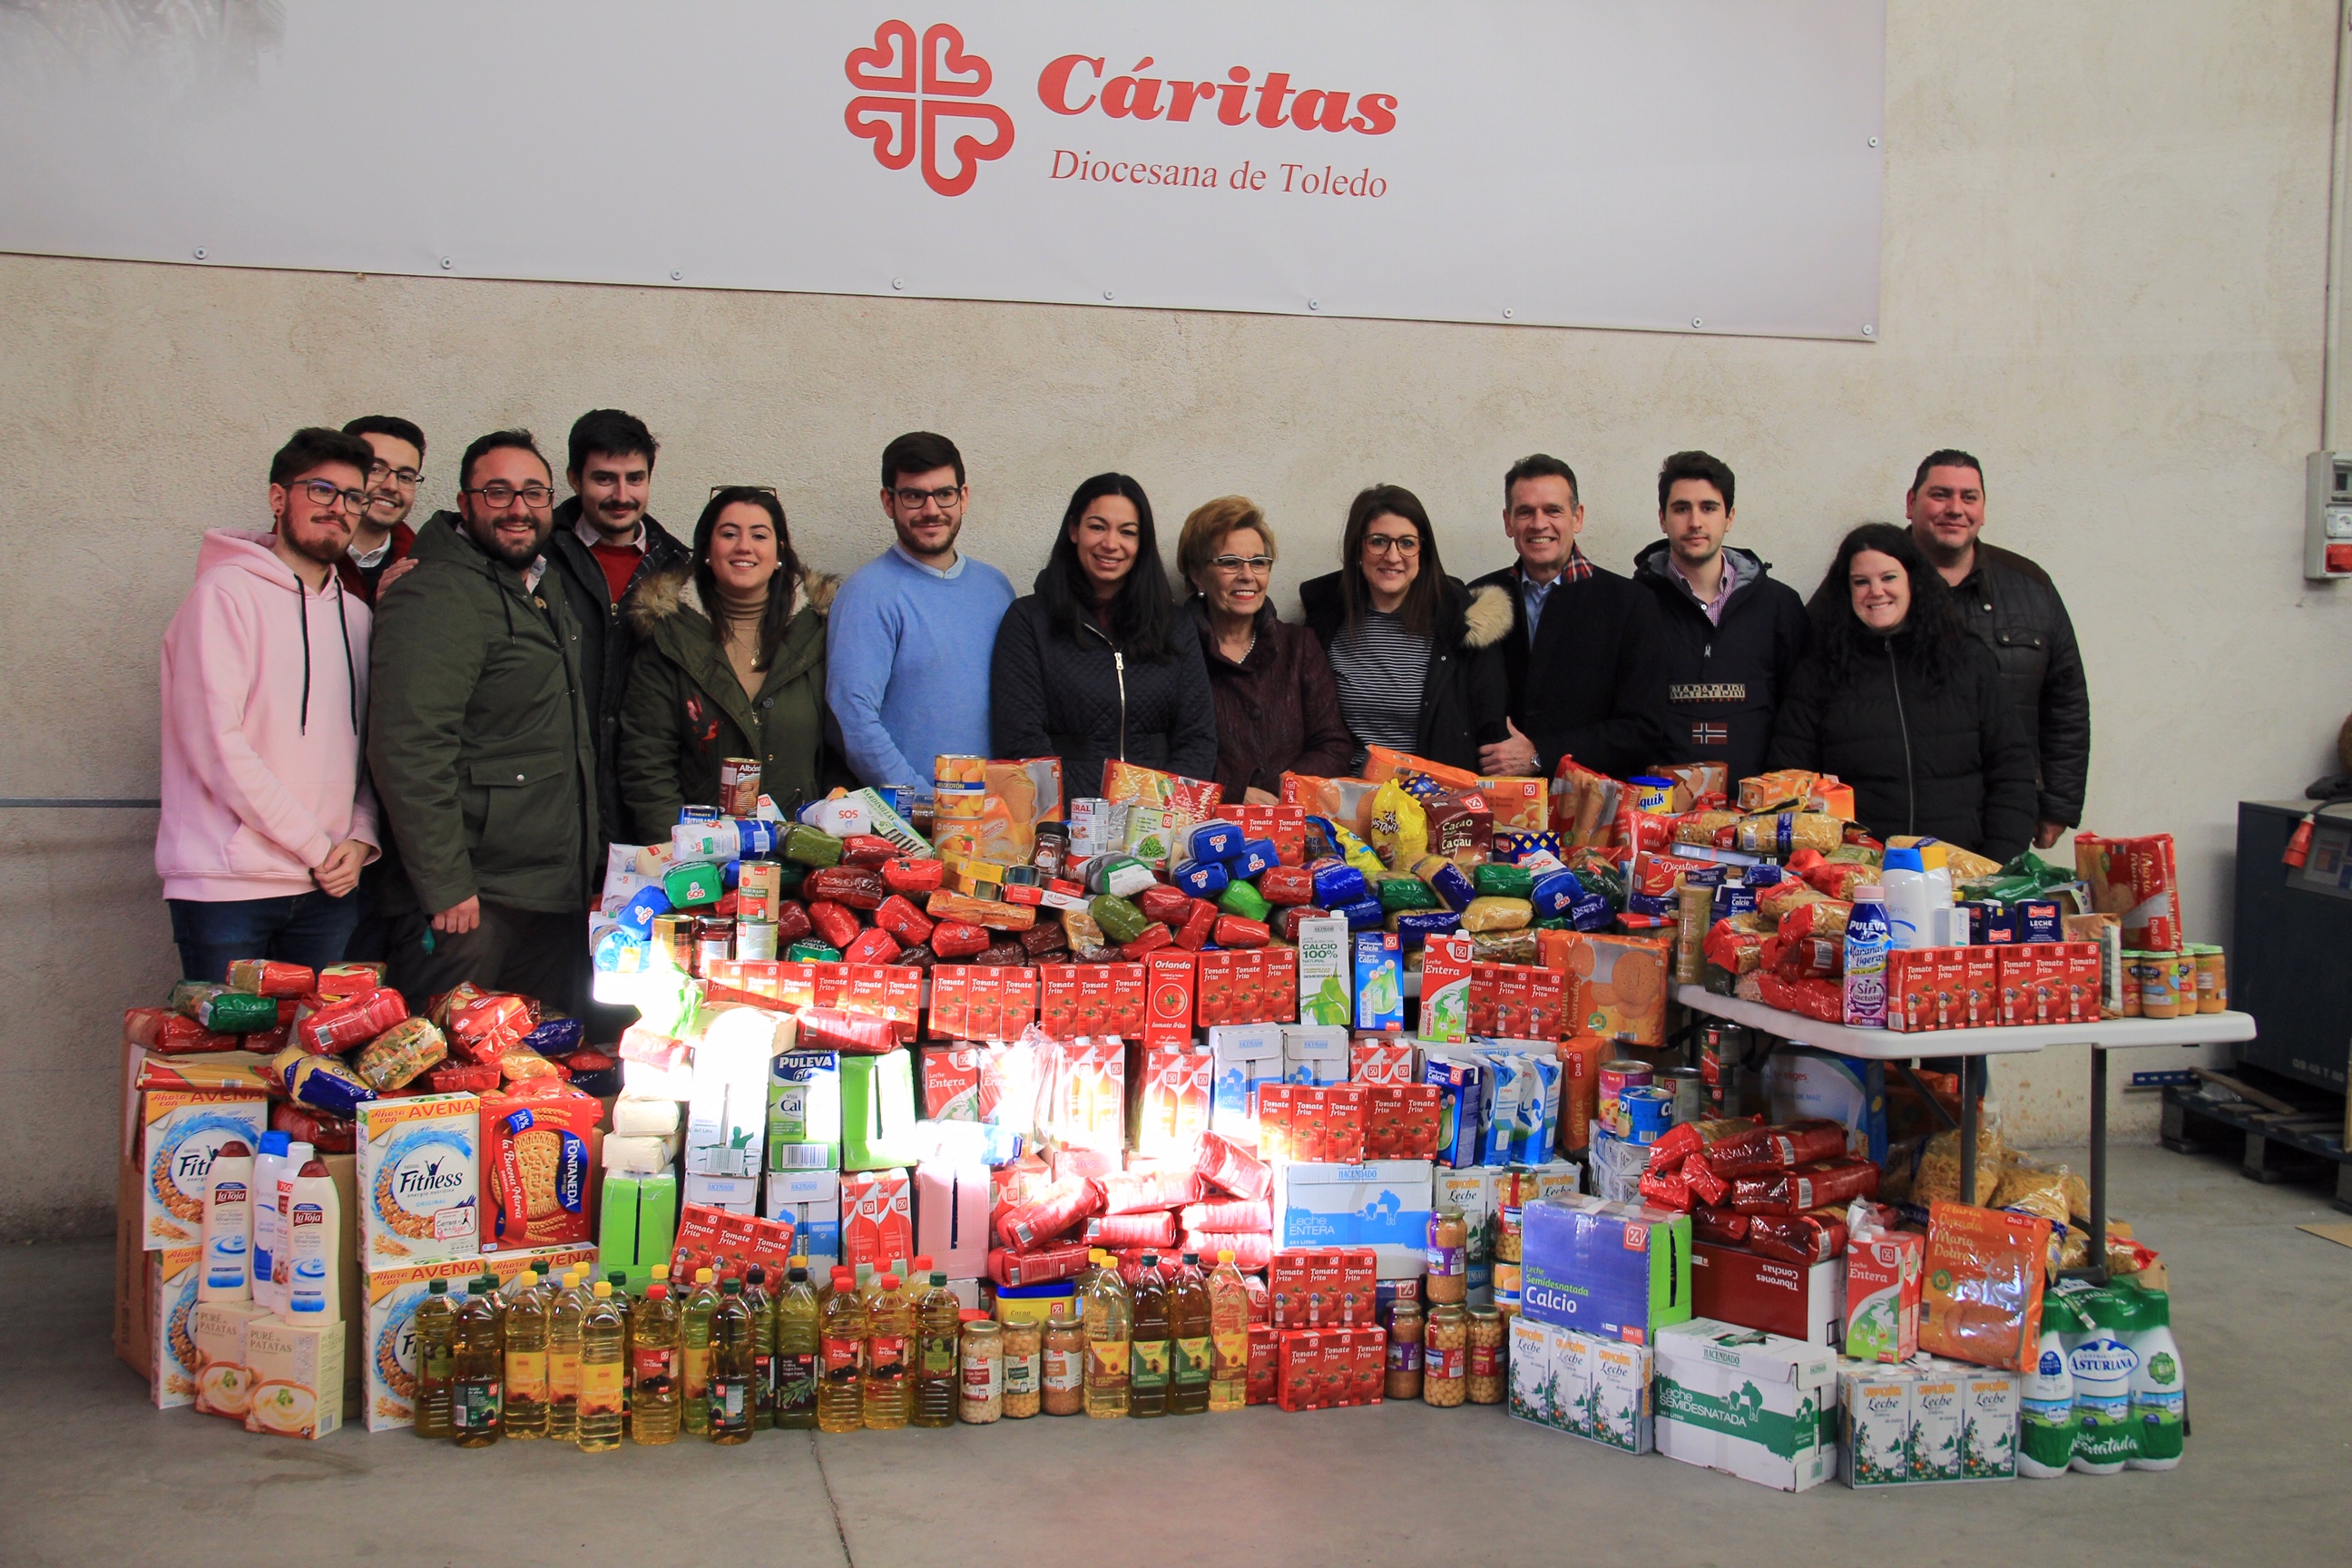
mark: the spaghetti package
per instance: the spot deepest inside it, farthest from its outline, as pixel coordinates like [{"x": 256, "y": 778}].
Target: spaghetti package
[
  {"x": 537, "y": 1150},
  {"x": 1824, "y": 1000},
  {"x": 1980, "y": 1299},
  {"x": 340, "y": 1026},
  {"x": 1583, "y": 805},
  {"x": 2137, "y": 880},
  {"x": 1732, "y": 946},
  {"x": 485, "y": 1029},
  {"x": 1770, "y": 792},
  {"x": 1778, "y": 900},
  {"x": 269, "y": 977},
  {"x": 1839, "y": 879},
  {"x": 1027, "y": 1227},
  {"x": 401, "y": 1055}
]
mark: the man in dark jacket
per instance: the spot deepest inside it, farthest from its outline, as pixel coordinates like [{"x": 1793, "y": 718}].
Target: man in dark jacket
[
  {"x": 1581, "y": 640},
  {"x": 381, "y": 536},
  {"x": 604, "y": 545},
  {"x": 2014, "y": 608},
  {"x": 1729, "y": 636},
  {"x": 480, "y": 746}
]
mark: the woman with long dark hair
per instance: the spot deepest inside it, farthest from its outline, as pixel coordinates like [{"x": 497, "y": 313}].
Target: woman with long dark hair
[
  {"x": 1096, "y": 664},
  {"x": 1898, "y": 700},
  {"x": 1418, "y": 657},
  {"x": 730, "y": 664}
]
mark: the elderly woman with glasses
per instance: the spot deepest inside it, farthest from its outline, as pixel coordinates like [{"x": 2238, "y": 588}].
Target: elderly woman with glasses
[{"x": 1278, "y": 710}]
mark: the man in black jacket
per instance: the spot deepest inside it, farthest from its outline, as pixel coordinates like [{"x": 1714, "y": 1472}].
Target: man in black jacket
[
  {"x": 1729, "y": 634},
  {"x": 604, "y": 545},
  {"x": 2014, "y": 608},
  {"x": 1580, "y": 644}
]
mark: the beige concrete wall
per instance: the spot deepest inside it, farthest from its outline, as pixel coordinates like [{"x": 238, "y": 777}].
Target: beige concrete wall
[{"x": 2105, "y": 273}]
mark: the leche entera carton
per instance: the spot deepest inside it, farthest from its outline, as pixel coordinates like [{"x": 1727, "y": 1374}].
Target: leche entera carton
[
  {"x": 1579, "y": 1383},
  {"x": 419, "y": 1179},
  {"x": 1750, "y": 1403},
  {"x": 1883, "y": 1285},
  {"x": 388, "y": 1327},
  {"x": 1383, "y": 1205},
  {"x": 179, "y": 1132},
  {"x": 1618, "y": 1271}
]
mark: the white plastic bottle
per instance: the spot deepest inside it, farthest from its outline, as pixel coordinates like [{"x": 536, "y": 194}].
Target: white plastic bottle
[
  {"x": 1866, "y": 932},
  {"x": 1936, "y": 864},
  {"x": 2102, "y": 1365},
  {"x": 298, "y": 1154},
  {"x": 2045, "y": 1413},
  {"x": 267, "y": 1166},
  {"x": 2159, "y": 1384},
  {"x": 313, "y": 1241},
  {"x": 1910, "y": 899},
  {"x": 228, "y": 1225}
]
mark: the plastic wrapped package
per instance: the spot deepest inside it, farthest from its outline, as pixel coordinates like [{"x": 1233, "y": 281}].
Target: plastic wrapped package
[
  {"x": 327, "y": 1134},
  {"x": 1134, "y": 1192},
  {"x": 1519, "y": 947},
  {"x": 1734, "y": 1149},
  {"x": 401, "y": 1055},
  {"x": 1937, "y": 1178},
  {"x": 1233, "y": 1167},
  {"x": 1791, "y": 1192},
  {"x": 322, "y": 1083},
  {"x": 1401, "y": 890},
  {"x": 1243, "y": 899},
  {"x": 1784, "y": 832},
  {"x": 831, "y": 1029},
  {"x": 345, "y": 1026},
  {"x": 1156, "y": 1228},
  {"x": 1981, "y": 1299},
  {"x": 271, "y": 978},
  {"x": 1775, "y": 902},
  {"x": 1768, "y": 792},
  {"x": 853, "y": 886},
  {"x": 557, "y": 1037},
  {"x": 875, "y": 946},
  {"x": 1026, "y": 1227},
  {"x": 485, "y": 1029},
  {"x": 1487, "y": 913},
  {"x": 166, "y": 1033},
  {"x": 1398, "y": 828}
]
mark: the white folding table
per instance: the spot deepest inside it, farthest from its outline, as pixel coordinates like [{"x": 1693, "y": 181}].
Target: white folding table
[{"x": 1972, "y": 1046}]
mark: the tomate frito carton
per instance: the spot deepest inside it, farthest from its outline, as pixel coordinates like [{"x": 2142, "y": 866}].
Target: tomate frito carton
[{"x": 419, "y": 1193}]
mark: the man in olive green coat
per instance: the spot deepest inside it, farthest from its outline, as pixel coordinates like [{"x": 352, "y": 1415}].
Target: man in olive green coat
[{"x": 480, "y": 748}]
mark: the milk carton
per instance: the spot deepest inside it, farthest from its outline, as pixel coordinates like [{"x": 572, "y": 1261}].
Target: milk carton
[
  {"x": 1882, "y": 1296},
  {"x": 812, "y": 1200},
  {"x": 1614, "y": 1271},
  {"x": 804, "y": 1110},
  {"x": 1380, "y": 981},
  {"x": 1875, "y": 1423},
  {"x": 1620, "y": 1395},
  {"x": 1446, "y": 965},
  {"x": 1327, "y": 976},
  {"x": 1472, "y": 1192},
  {"x": 1247, "y": 1057},
  {"x": 419, "y": 1187},
  {"x": 1587, "y": 1388},
  {"x": 1937, "y": 1406},
  {"x": 1752, "y": 1404},
  {"x": 298, "y": 1378},
  {"x": 1992, "y": 1400},
  {"x": 180, "y": 1130}
]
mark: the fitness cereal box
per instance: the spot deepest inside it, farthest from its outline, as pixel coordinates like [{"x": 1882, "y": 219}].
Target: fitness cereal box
[
  {"x": 179, "y": 1132},
  {"x": 418, "y": 1184}
]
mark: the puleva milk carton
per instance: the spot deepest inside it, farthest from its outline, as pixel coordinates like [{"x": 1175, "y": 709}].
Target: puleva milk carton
[
  {"x": 419, "y": 1186},
  {"x": 1327, "y": 973}
]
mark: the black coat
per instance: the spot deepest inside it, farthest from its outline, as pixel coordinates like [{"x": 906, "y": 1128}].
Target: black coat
[
  {"x": 1087, "y": 701},
  {"x": 1465, "y": 694},
  {"x": 1718, "y": 686},
  {"x": 606, "y": 645},
  {"x": 1585, "y": 688},
  {"x": 2012, "y": 607},
  {"x": 1945, "y": 761}
]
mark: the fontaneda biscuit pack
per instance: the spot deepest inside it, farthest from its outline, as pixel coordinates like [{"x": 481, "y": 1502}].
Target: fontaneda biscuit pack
[{"x": 538, "y": 1154}]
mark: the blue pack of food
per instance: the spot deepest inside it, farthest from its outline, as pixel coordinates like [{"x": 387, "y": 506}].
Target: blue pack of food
[
  {"x": 1201, "y": 878},
  {"x": 1364, "y": 914},
  {"x": 1213, "y": 840},
  {"x": 1415, "y": 927},
  {"x": 1337, "y": 883},
  {"x": 1253, "y": 859},
  {"x": 1555, "y": 894}
]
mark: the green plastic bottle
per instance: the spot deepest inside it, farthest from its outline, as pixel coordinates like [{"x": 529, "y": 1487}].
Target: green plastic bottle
[
  {"x": 693, "y": 1392},
  {"x": 435, "y": 1328},
  {"x": 603, "y": 1373},
  {"x": 654, "y": 1368},
  {"x": 795, "y": 1365},
  {"x": 763, "y": 1336},
  {"x": 1149, "y": 1352},
  {"x": 939, "y": 1325},
  {"x": 732, "y": 1403}
]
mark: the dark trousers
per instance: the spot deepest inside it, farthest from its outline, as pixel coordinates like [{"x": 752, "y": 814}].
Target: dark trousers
[
  {"x": 531, "y": 953},
  {"x": 370, "y": 939},
  {"x": 309, "y": 929}
]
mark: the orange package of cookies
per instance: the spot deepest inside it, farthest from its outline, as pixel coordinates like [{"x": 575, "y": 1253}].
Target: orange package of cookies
[
  {"x": 540, "y": 1151},
  {"x": 1616, "y": 985}
]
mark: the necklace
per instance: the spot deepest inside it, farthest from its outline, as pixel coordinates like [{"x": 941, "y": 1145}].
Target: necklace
[{"x": 1251, "y": 650}]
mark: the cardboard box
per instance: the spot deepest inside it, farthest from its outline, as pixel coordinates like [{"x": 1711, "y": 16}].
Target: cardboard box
[
  {"x": 1247, "y": 1056},
  {"x": 1614, "y": 1271},
  {"x": 1315, "y": 1054},
  {"x": 1758, "y": 1406},
  {"x": 1446, "y": 969},
  {"x": 736, "y": 1194},
  {"x": 386, "y": 1348},
  {"x": 804, "y": 1110},
  {"x": 639, "y": 1225},
  {"x": 180, "y": 1130},
  {"x": 223, "y": 1383},
  {"x": 168, "y": 1307},
  {"x": 418, "y": 1178},
  {"x": 1383, "y": 1205},
  {"x": 811, "y": 1200},
  {"x": 1327, "y": 976},
  {"x": 1385, "y": 1059},
  {"x": 876, "y": 1217},
  {"x": 1797, "y": 1301},
  {"x": 951, "y": 1218},
  {"x": 1881, "y": 1296},
  {"x": 298, "y": 1378},
  {"x": 1579, "y": 1383},
  {"x": 1380, "y": 982},
  {"x": 1460, "y": 1079},
  {"x": 877, "y": 1111}
]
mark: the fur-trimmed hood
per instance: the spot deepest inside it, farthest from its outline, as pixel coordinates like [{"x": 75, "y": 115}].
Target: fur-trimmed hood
[
  {"x": 673, "y": 592},
  {"x": 1487, "y": 618}
]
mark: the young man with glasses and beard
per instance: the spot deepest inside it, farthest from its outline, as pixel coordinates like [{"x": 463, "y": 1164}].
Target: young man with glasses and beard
[
  {"x": 481, "y": 745},
  {"x": 911, "y": 634},
  {"x": 267, "y": 816},
  {"x": 381, "y": 536}
]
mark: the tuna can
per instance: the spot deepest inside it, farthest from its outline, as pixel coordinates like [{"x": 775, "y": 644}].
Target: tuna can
[
  {"x": 1649, "y": 1111},
  {"x": 958, "y": 788},
  {"x": 1653, "y": 794},
  {"x": 755, "y": 939},
  {"x": 1616, "y": 1077},
  {"x": 739, "y": 786},
  {"x": 1689, "y": 1086}
]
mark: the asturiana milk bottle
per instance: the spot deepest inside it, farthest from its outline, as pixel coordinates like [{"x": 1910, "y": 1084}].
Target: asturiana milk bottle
[
  {"x": 2045, "y": 1419},
  {"x": 228, "y": 1225},
  {"x": 2159, "y": 1383},
  {"x": 2101, "y": 1363}
]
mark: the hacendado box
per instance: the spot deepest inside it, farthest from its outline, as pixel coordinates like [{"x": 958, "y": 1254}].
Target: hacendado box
[
  {"x": 1383, "y": 1205},
  {"x": 1752, "y": 1404},
  {"x": 1795, "y": 1300},
  {"x": 1617, "y": 1270}
]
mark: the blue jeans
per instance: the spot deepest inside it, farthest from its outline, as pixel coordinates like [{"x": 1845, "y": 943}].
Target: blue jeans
[{"x": 307, "y": 928}]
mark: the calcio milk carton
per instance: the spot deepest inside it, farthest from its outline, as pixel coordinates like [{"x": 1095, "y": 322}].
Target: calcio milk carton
[
  {"x": 1882, "y": 1295},
  {"x": 179, "y": 1132},
  {"x": 419, "y": 1188}
]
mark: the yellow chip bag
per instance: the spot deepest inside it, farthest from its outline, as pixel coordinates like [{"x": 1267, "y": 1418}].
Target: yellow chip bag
[{"x": 1399, "y": 828}]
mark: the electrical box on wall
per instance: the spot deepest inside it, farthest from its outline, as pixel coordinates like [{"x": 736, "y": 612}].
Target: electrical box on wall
[{"x": 2327, "y": 516}]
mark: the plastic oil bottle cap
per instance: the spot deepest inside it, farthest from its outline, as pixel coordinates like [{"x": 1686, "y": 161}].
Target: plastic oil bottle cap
[
  {"x": 439, "y": 1287},
  {"x": 730, "y": 1286},
  {"x": 661, "y": 1270},
  {"x": 603, "y": 1290},
  {"x": 889, "y": 1281},
  {"x": 703, "y": 1277},
  {"x": 657, "y": 1291},
  {"x": 939, "y": 1280},
  {"x": 1224, "y": 1255}
]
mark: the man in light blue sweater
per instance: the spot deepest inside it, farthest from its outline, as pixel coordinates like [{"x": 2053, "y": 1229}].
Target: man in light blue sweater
[{"x": 911, "y": 634}]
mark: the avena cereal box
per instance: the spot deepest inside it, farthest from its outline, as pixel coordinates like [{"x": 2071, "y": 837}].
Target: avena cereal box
[
  {"x": 419, "y": 1187},
  {"x": 388, "y": 1321},
  {"x": 173, "y": 1361},
  {"x": 180, "y": 1131}
]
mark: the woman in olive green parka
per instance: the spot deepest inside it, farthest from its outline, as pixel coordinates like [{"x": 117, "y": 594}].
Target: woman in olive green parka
[{"x": 747, "y": 680}]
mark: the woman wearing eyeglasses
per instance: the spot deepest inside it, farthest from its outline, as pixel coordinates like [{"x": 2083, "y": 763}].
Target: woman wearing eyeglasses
[
  {"x": 1098, "y": 663},
  {"x": 730, "y": 663},
  {"x": 1417, "y": 656},
  {"x": 1278, "y": 710}
]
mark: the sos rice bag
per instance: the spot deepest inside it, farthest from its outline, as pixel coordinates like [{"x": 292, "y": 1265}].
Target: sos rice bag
[
  {"x": 1399, "y": 827},
  {"x": 1336, "y": 882},
  {"x": 340, "y": 1027},
  {"x": 1200, "y": 879},
  {"x": 557, "y": 1037},
  {"x": 269, "y": 977},
  {"x": 1981, "y": 1297},
  {"x": 1415, "y": 927},
  {"x": 1832, "y": 1183},
  {"x": 401, "y": 1055}
]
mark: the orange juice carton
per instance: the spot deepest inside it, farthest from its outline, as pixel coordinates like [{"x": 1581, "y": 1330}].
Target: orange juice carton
[
  {"x": 180, "y": 1130},
  {"x": 298, "y": 1378}
]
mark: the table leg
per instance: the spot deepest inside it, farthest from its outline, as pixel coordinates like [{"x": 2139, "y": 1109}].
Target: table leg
[
  {"x": 2099, "y": 1162},
  {"x": 1968, "y": 1129}
]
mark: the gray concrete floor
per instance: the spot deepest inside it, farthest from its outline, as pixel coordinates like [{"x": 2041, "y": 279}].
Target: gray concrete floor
[{"x": 89, "y": 1473}]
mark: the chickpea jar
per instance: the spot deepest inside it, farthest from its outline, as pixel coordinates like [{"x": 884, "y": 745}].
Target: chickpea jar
[
  {"x": 1025, "y": 1344},
  {"x": 1448, "y": 1257},
  {"x": 981, "y": 1387},
  {"x": 1064, "y": 1392},
  {"x": 1445, "y": 1357},
  {"x": 1484, "y": 1376},
  {"x": 1406, "y": 1324}
]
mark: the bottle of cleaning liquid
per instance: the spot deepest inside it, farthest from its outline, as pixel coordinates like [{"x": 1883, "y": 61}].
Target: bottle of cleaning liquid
[
  {"x": 526, "y": 1367},
  {"x": 2045, "y": 1418},
  {"x": 1110, "y": 1345},
  {"x": 763, "y": 1347},
  {"x": 694, "y": 1344},
  {"x": 1903, "y": 882},
  {"x": 1191, "y": 1341},
  {"x": 477, "y": 1386},
  {"x": 1867, "y": 935},
  {"x": 840, "y": 1402},
  {"x": 2101, "y": 1363},
  {"x": 654, "y": 1369},
  {"x": 890, "y": 1336},
  {"x": 1229, "y": 1331},
  {"x": 796, "y": 1353},
  {"x": 313, "y": 1248},
  {"x": 734, "y": 1340},
  {"x": 1149, "y": 1351},
  {"x": 281, "y": 1198},
  {"x": 939, "y": 1325},
  {"x": 2159, "y": 1383},
  {"x": 434, "y": 1331},
  {"x": 603, "y": 1373},
  {"x": 567, "y": 1314},
  {"x": 263, "y": 1196},
  {"x": 228, "y": 1225}
]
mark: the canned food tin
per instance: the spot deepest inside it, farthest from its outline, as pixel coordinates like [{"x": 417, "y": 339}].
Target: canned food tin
[
  {"x": 674, "y": 940},
  {"x": 1652, "y": 793},
  {"x": 755, "y": 939},
  {"x": 2184, "y": 981},
  {"x": 758, "y": 892},
  {"x": 958, "y": 788},
  {"x": 1689, "y": 1087},
  {"x": 1616, "y": 1077},
  {"x": 739, "y": 786},
  {"x": 1649, "y": 1111}
]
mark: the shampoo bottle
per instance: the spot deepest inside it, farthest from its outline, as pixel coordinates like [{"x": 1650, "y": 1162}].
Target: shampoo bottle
[
  {"x": 313, "y": 1248},
  {"x": 228, "y": 1225}
]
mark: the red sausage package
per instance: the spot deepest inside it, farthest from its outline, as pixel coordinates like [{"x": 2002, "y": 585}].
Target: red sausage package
[
  {"x": 1829, "y": 1183},
  {"x": 1783, "y": 1147}
]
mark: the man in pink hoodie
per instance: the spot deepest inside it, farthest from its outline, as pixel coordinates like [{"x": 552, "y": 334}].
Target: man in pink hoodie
[{"x": 267, "y": 817}]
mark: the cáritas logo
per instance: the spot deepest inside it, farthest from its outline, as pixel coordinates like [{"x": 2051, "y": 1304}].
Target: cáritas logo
[
  {"x": 919, "y": 97},
  {"x": 1073, "y": 84}
]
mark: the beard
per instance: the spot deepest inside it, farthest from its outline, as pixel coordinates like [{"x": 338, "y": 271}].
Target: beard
[
  {"x": 907, "y": 537},
  {"x": 485, "y": 533}
]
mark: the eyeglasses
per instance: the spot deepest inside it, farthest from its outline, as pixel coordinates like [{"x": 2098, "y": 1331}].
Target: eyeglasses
[
  {"x": 912, "y": 499},
  {"x": 1400, "y": 543},
  {"x": 322, "y": 493},
  {"x": 379, "y": 468},
  {"x": 1240, "y": 562},
  {"x": 716, "y": 490},
  {"x": 499, "y": 493}
]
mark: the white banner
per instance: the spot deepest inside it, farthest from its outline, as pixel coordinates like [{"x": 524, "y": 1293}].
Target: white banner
[{"x": 1675, "y": 165}]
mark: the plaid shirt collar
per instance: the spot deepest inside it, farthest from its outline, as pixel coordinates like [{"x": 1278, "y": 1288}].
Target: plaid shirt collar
[{"x": 1577, "y": 568}]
